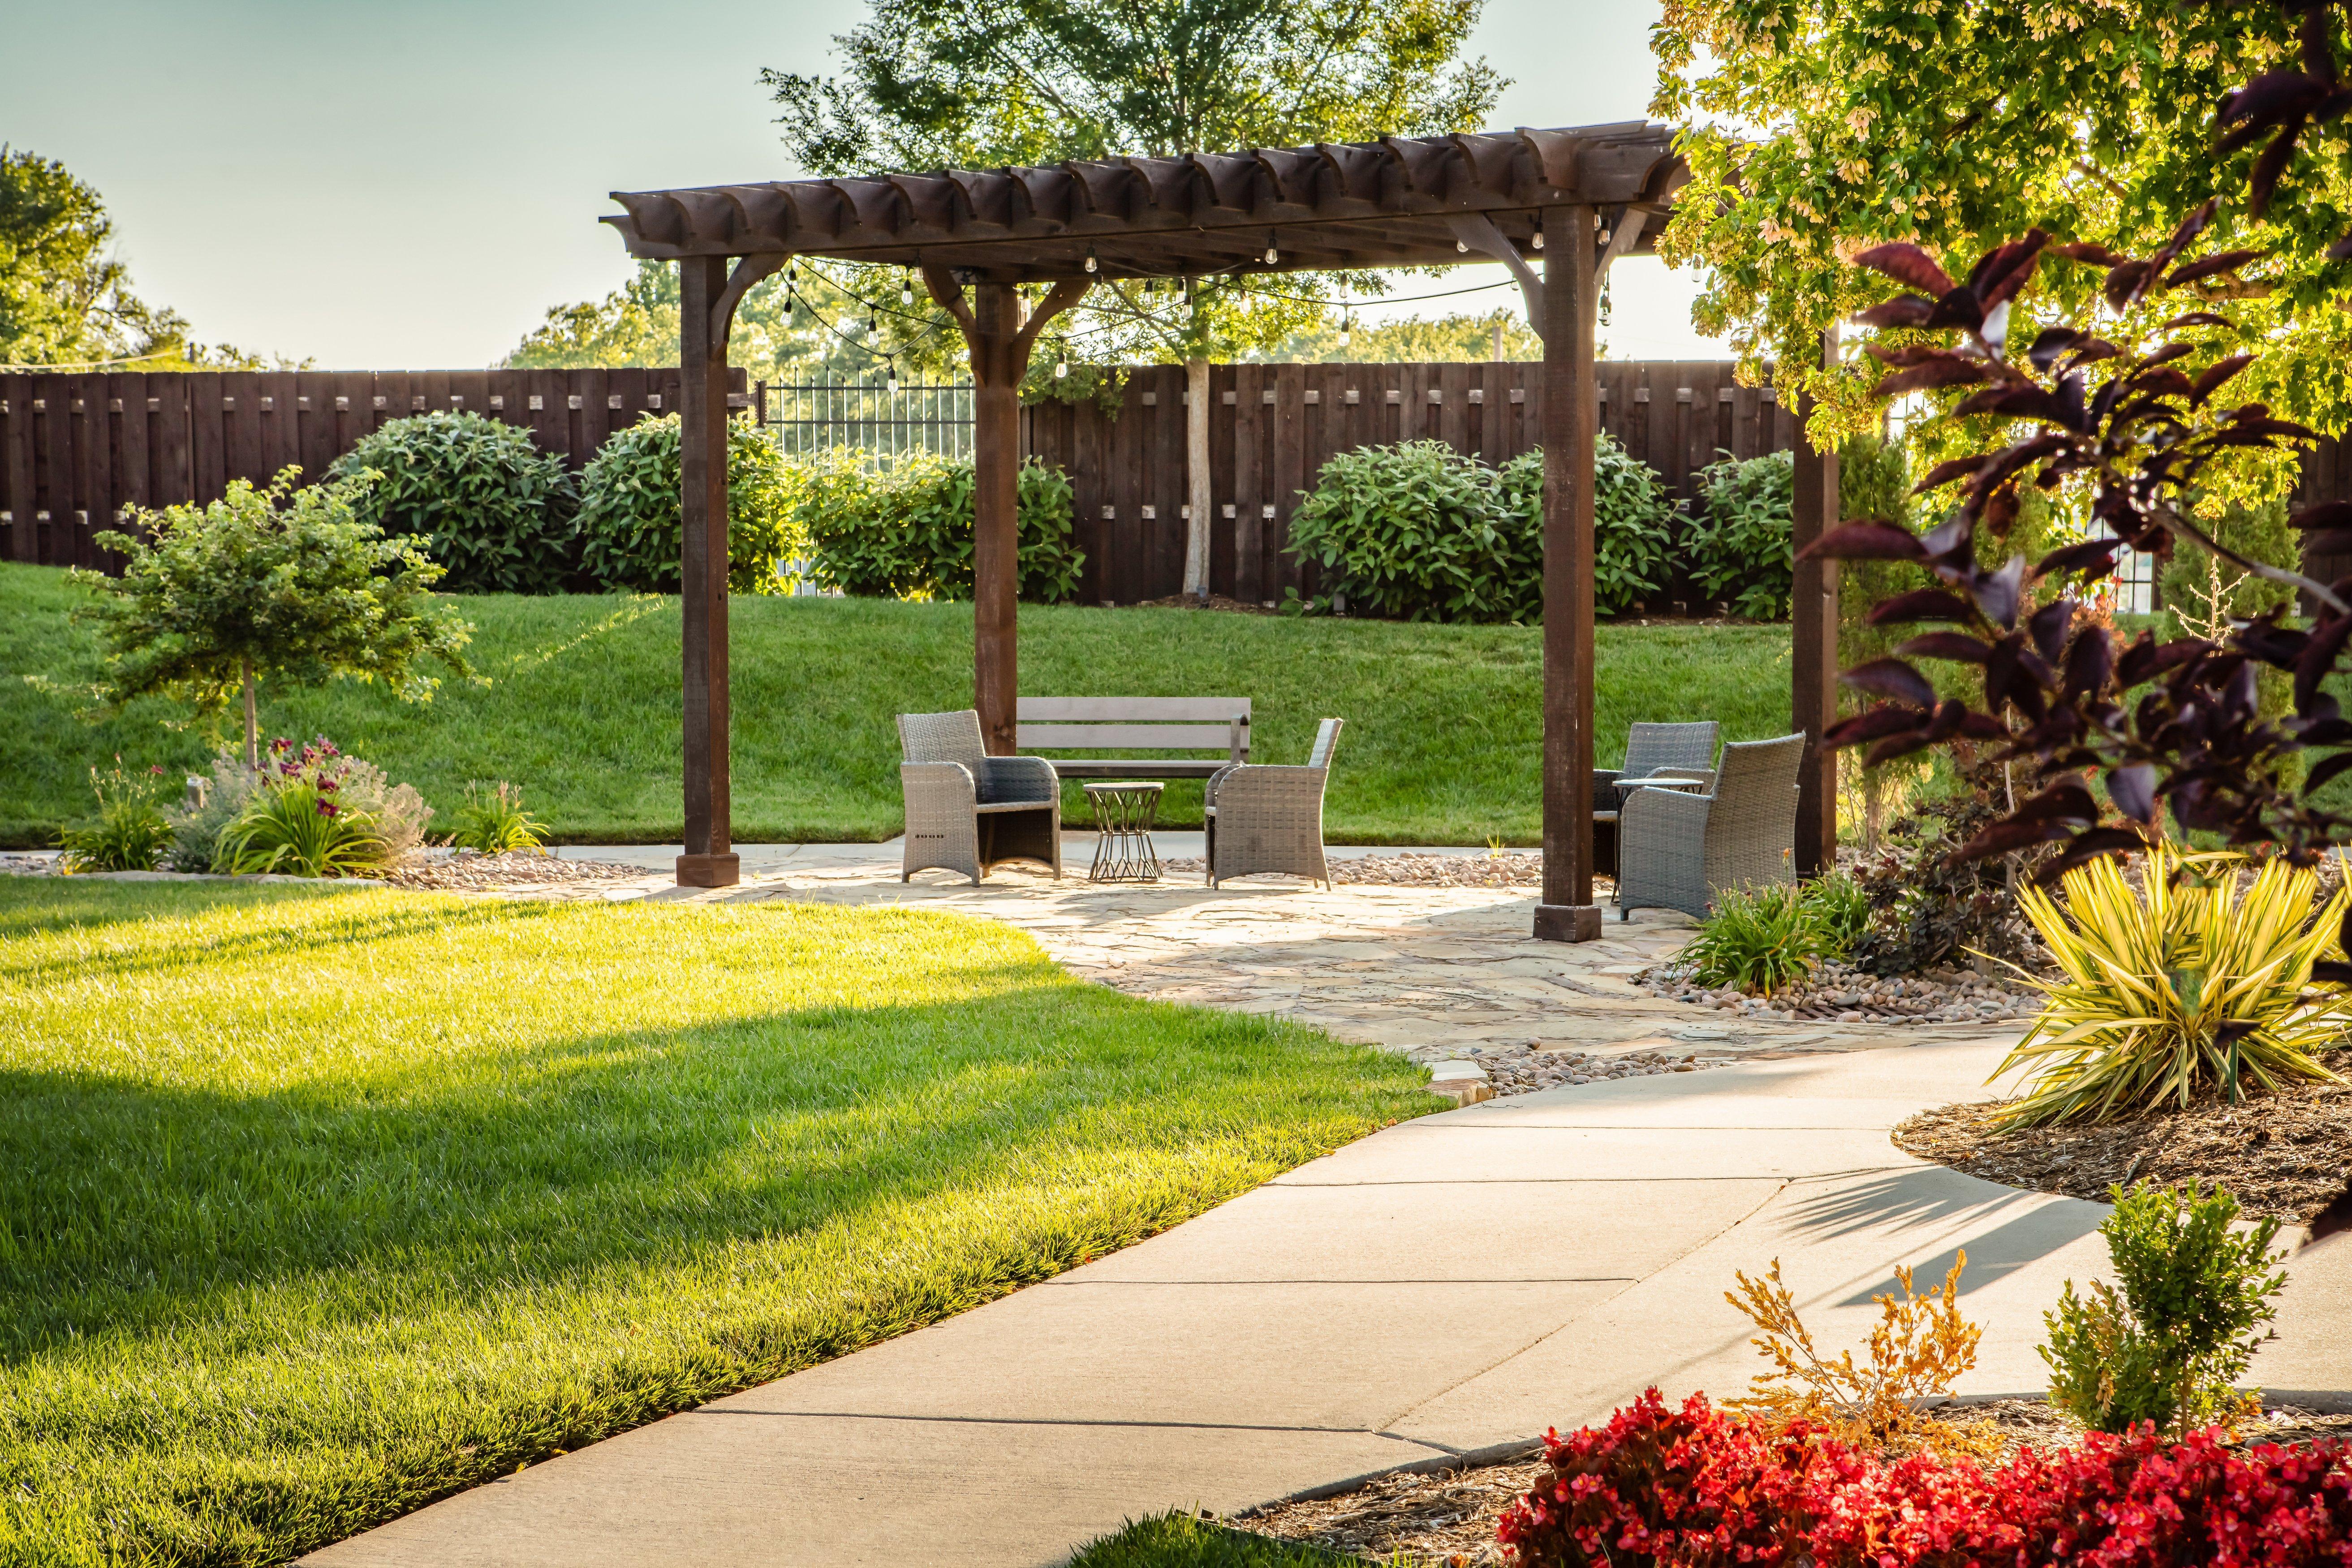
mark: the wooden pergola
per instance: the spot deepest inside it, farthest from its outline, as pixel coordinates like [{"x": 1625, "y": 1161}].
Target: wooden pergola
[{"x": 1555, "y": 206}]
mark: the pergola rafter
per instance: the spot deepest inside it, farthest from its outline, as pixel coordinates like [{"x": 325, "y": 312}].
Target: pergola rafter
[{"x": 1556, "y": 206}]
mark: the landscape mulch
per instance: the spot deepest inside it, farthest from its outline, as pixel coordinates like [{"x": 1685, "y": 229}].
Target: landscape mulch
[
  {"x": 1504, "y": 868},
  {"x": 2286, "y": 1155}
]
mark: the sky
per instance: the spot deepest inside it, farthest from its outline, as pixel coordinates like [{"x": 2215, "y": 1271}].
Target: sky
[{"x": 412, "y": 184}]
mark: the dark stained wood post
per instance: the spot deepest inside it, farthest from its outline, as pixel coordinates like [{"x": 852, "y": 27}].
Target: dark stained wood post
[
  {"x": 709, "y": 859},
  {"x": 996, "y": 533},
  {"x": 1568, "y": 421},
  {"x": 1813, "y": 642}
]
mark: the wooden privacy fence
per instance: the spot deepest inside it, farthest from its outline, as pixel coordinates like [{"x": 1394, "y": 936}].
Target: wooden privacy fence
[
  {"x": 76, "y": 449},
  {"x": 1272, "y": 427}
]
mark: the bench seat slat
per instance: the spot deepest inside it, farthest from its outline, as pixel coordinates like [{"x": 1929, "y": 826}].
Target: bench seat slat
[
  {"x": 1098, "y": 736},
  {"x": 1136, "y": 768},
  {"x": 1129, "y": 710}
]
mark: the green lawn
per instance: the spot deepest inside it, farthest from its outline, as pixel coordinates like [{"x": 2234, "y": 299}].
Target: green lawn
[
  {"x": 319, "y": 1205},
  {"x": 580, "y": 708},
  {"x": 1181, "y": 1541}
]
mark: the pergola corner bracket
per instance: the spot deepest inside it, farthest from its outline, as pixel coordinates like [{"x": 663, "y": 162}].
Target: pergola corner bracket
[{"x": 1478, "y": 231}]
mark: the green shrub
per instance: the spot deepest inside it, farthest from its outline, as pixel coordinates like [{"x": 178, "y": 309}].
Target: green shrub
[
  {"x": 396, "y": 811},
  {"x": 496, "y": 823},
  {"x": 130, "y": 832},
  {"x": 1740, "y": 543},
  {"x": 1420, "y": 532},
  {"x": 296, "y": 829},
  {"x": 905, "y": 531},
  {"x": 631, "y": 529},
  {"x": 1767, "y": 938},
  {"x": 479, "y": 493},
  {"x": 2170, "y": 1346}
]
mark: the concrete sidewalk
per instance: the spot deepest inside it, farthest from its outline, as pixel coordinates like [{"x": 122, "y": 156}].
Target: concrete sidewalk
[{"x": 1450, "y": 1286}]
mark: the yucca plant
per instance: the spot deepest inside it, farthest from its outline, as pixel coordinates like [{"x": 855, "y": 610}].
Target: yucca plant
[
  {"x": 298, "y": 830},
  {"x": 496, "y": 822},
  {"x": 2185, "y": 985}
]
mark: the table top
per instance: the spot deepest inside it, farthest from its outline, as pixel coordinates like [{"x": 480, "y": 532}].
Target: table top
[{"x": 1150, "y": 784}]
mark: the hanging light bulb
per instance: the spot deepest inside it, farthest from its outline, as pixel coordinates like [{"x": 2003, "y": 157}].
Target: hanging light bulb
[
  {"x": 792, "y": 304},
  {"x": 1090, "y": 258},
  {"x": 873, "y": 321},
  {"x": 1539, "y": 240},
  {"x": 1347, "y": 327},
  {"x": 791, "y": 275},
  {"x": 1062, "y": 365},
  {"x": 890, "y": 373},
  {"x": 1462, "y": 246},
  {"x": 1272, "y": 254},
  {"x": 906, "y": 287}
]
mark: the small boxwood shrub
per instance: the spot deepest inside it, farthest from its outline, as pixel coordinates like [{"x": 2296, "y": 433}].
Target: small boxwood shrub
[
  {"x": 1739, "y": 545},
  {"x": 479, "y": 493},
  {"x": 631, "y": 526},
  {"x": 905, "y": 531},
  {"x": 1420, "y": 532}
]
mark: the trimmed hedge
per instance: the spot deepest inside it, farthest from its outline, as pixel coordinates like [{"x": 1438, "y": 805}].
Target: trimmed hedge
[
  {"x": 631, "y": 525},
  {"x": 1419, "y": 531},
  {"x": 905, "y": 531},
  {"x": 480, "y": 496}
]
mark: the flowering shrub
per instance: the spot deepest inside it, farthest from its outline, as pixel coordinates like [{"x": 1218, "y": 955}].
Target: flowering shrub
[
  {"x": 396, "y": 812},
  {"x": 301, "y": 822},
  {"x": 1694, "y": 1486}
]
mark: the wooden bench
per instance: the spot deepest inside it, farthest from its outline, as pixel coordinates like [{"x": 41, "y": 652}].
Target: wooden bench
[{"x": 1219, "y": 724}]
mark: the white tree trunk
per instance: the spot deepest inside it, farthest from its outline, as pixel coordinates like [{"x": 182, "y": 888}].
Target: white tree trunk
[
  {"x": 252, "y": 725},
  {"x": 1200, "y": 490}
]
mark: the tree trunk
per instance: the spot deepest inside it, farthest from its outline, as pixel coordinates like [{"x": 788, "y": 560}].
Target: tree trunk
[
  {"x": 1200, "y": 490},
  {"x": 252, "y": 723}
]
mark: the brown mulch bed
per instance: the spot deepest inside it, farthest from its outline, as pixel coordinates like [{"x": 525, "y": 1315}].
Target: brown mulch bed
[
  {"x": 1449, "y": 1516},
  {"x": 2285, "y": 1155},
  {"x": 470, "y": 871},
  {"x": 1216, "y": 602}
]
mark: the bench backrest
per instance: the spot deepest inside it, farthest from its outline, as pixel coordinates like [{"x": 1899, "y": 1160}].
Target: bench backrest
[{"x": 1136, "y": 723}]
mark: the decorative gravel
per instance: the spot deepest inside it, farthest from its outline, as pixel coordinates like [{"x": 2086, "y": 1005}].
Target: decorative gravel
[
  {"x": 1502, "y": 869},
  {"x": 1523, "y": 1069},
  {"x": 470, "y": 870},
  {"x": 1843, "y": 994},
  {"x": 14, "y": 863}
]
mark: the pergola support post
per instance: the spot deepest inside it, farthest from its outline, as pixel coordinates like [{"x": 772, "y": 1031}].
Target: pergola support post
[
  {"x": 1569, "y": 423},
  {"x": 709, "y": 859},
  {"x": 1814, "y": 641}
]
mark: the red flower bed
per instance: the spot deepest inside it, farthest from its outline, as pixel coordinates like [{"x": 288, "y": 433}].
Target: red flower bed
[{"x": 1695, "y": 1488}]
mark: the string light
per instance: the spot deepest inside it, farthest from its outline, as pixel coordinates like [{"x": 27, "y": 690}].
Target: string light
[
  {"x": 1272, "y": 254},
  {"x": 1090, "y": 258},
  {"x": 872, "y": 321},
  {"x": 906, "y": 287},
  {"x": 1062, "y": 365},
  {"x": 1539, "y": 240},
  {"x": 890, "y": 370},
  {"x": 1462, "y": 246},
  {"x": 1347, "y": 317}
]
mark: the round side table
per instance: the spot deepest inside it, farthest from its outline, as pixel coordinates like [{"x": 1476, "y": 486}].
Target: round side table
[{"x": 1123, "y": 812}]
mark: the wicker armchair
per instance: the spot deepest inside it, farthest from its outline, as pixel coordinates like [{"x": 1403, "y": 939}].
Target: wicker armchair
[
  {"x": 966, "y": 810},
  {"x": 1270, "y": 818},
  {"x": 1686, "y": 750},
  {"x": 1677, "y": 850}
]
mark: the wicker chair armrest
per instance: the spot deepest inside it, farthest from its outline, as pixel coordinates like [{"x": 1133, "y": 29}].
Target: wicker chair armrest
[
  {"x": 1019, "y": 778},
  {"x": 1244, "y": 786},
  {"x": 1209, "y": 790},
  {"x": 944, "y": 779},
  {"x": 1664, "y": 811},
  {"x": 1604, "y": 788}
]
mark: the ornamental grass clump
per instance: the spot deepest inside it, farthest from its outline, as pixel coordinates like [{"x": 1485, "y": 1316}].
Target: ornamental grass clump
[
  {"x": 495, "y": 822},
  {"x": 2184, "y": 986},
  {"x": 2168, "y": 1348},
  {"x": 1765, "y": 940},
  {"x": 130, "y": 832}
]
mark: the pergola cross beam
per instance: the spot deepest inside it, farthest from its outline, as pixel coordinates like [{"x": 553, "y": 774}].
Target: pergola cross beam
[{"x": 1569, "y": 200}]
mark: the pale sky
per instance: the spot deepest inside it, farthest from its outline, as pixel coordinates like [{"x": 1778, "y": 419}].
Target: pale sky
[{"x": 385, "y": 185}]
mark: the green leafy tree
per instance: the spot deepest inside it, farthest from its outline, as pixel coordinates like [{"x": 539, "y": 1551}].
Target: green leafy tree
[
  {"x": 282, "y": 583},
  {"x": 826, "y": 334},
  {"x": 64, "y": 297},
  {"x": 1819, "y": 129},
  {"x": 1443, "y": 338},
  {"x": 929, "y": 84}
]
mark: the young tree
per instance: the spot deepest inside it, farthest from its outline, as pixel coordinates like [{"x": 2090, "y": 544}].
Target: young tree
[
  {"x": 282, "y": 583},
  {"x": 990, "y": 83}
]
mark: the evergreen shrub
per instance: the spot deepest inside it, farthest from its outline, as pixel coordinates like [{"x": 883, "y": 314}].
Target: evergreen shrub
[
  {"x": 477, "y": 493},
  {"x": 905, "y": 531},
  {"x": 632, "y": 529}
]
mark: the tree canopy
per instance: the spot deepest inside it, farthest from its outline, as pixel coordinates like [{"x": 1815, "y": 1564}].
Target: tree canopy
[
  {"x": 929, "y": 84},
  {"x": 283, "y": 584},
  {"x": 1820, "y": 128},
  {"x": 65, "y": 298},
  {"x": 636, "y": 324}
]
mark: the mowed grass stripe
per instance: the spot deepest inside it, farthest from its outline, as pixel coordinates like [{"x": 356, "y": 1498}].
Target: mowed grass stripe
[
  {"x": 322, "y": 1204},
  {"x": 580, "y": 708}
]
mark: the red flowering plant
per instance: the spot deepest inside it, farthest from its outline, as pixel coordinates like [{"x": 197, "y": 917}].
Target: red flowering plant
[
  {"x": 301, "y": 820},
  {"x": 1694, "y": 1488}
]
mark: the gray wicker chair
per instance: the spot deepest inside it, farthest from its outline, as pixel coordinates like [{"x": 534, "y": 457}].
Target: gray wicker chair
[
  {"x": 1678, "y": 850},
  {"x": 1264, "y": 818},
  {"x": 1686, "y": 750},
  {"x": 966, "y": 810}
]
